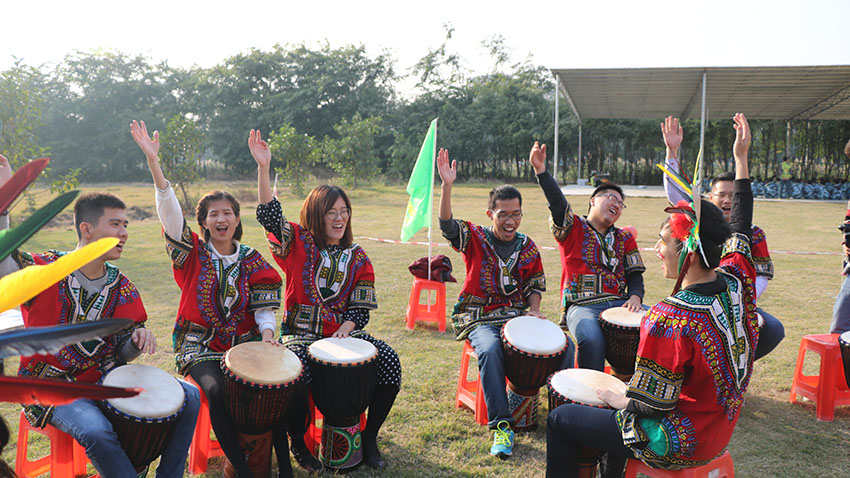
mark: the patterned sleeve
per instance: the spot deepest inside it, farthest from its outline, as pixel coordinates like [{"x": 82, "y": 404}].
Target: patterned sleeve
[
  {"x": 363, "y": 293},
  {"x": 463, "y": 229},
  {"x": 561, "y": 232},
  {"x": 358, "y": 315},
  {"x": 761, "y": 254},
  {"x": 280, "y": 231},
  {"x": 662, "y": 356},
  {"x": 179, "y": 249},
  {"x": 263, "y": 281},
  {"x": 736, "y": 258},
  {"x": 633, "y": 260}
]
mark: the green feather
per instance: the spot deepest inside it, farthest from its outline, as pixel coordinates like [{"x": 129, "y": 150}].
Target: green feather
[{"x": 11, "y": 239}]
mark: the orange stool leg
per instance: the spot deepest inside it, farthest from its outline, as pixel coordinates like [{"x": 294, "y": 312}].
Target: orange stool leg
[
  {"x": 203, "y": 447},
  {"x": 827, "y": 389},
  {"x": 60, "y": 462},
  {"x": 427, "y": 312},
  {"x": 469, "y": 393}
]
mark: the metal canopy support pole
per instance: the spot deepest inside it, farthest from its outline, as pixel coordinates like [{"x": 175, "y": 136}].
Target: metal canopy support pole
[
  {"x": 702, "y": 125},
  {"x": 557, "y": 123},
  {"x": 578, "y": 174},
  {"x": 788, "y": 140}
]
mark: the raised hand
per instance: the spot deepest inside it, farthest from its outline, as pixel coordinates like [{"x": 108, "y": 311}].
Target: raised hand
[
  {"x": 537, "y": 157},
  {"x": 448, "y": 173},
  {"x": 5, "y": 170},
  {"x": 742, "y": 135},
  {"x": 259, "y": 149},
  {"x": 140, "y": 135},
  {"x": 671, "y": 130}
]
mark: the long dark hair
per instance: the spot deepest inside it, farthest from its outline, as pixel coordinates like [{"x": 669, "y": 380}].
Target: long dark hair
[{"x": 320, "y": 200}]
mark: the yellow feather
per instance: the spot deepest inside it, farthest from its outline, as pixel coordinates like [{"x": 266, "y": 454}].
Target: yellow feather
[
  {"x": 676, "y": 180},
  {"x": 23, "y": 285}
]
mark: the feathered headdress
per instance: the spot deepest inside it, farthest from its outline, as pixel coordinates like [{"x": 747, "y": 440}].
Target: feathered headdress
[{"x": 684, "y": 219}]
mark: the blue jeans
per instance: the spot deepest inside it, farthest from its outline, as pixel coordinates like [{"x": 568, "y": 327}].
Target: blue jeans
[
  {"x": 841, "y": 309},
  {"x": 583, "y": 322},
  {"x": 771, "y": 333},
  {"x": 487, "y": 342},
  {"x": 83, "y": 420}
]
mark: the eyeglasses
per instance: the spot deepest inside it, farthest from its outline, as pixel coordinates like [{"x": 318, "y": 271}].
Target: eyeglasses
[
  {"x": 333, "y": 214},
  {"x": 503, "y": 216},
  {"x": 615, "y": 198}
]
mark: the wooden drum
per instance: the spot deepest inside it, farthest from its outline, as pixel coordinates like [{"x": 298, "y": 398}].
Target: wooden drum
[
  {"x": 144, "y": 423},
  {"x": 621, "y": 329},
  {"x": 534, "y": 348},
  {"x": 344, "y": 372}
]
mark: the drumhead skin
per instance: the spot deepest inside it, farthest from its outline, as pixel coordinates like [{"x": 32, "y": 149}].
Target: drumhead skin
[
  {"x": 162, "y": 396},
  {"x": 263, "y": 363},
  {"x": 844, "y": 338},
  {"x": 349, "y": 350},
  {"x": 580, "y": 385},
  {"x": 534, "y": 335},
  {"x": 622, "y": 316}
]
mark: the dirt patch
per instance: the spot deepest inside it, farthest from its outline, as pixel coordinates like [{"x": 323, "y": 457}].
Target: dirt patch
[{"x": 137, "y": 214}]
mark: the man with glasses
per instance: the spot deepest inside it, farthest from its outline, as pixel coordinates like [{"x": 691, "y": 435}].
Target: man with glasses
[
  {"x": 601, "y": 266},
  {"x": 504, "y": 279}
]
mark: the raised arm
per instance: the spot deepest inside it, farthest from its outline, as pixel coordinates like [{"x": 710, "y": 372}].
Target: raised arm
[
  {"x": 554, "y": 196},
  {"x": 263, "y": 156},
  {"x": 167, "y": 207},
  {"x": 671, "y": 131},
  {"x": 742, "y": 200},
  {"x": 149, "y": 146},
  {"x": 448, "y": 174}
]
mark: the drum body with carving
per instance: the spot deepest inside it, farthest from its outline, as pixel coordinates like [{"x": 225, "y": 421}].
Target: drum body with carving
[
  {"x": 144, "y": 423},
  {"x": 621, "y": 329},
  {"x": 343, "y": 380},
  {"x": 844, "y": 345},
  {"x": 534, "y": 348},
  {"x": 578, "y": 385}
]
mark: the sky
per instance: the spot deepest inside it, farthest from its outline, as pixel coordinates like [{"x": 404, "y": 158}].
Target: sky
[{"x": 563, "y": 34}]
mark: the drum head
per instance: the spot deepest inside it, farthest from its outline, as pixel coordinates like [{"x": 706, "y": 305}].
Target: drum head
[
  {"x": 580, "y": 385},
  {"x": 622, "y": 317},
  {"x": 349, "y": 350},
  {"x": 844, "y": 339},
  {"x": 162, "y": 395},
  {"x": 534, "y": 335},
  {"x": 263, "y": 363}
]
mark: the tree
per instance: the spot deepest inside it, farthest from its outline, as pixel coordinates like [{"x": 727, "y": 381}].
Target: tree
[
  {"x": 353, "y": 155},
  {"x": 180, "y": 154},
  {"x": 21, "y": 101},
  {"x": 297, "y": 152}
]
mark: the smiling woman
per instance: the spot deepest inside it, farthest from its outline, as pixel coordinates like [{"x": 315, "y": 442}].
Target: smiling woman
[{"x": 228, "y": 291}]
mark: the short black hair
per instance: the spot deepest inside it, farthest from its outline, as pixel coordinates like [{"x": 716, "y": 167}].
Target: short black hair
[
  {"x": 606, "y": 187},
  {"x": 713, "y": 233},
  {"x": 503, "y": 193},
  {"x": 89, "y": 208},
  {"x": 724, "y": 176}
]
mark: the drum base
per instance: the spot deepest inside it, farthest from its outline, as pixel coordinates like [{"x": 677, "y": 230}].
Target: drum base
[
  {"x": 341, "y": 447},
  {"x": 258, "y": 453},
  {"x": 523, "y": 405}
]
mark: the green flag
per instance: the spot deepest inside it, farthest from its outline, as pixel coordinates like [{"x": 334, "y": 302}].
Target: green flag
[{"x": 421, "y": 187}]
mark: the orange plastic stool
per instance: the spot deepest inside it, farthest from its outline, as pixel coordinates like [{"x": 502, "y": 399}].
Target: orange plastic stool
[
  {"x": 469, "y": 393},
  {"x": 203, "y": 447},
  {"x": 427, "y": 312},
  {"x": 720, "y": 467},
  {"x": 828, "y": 389},
  {"x": 67, "y": 458},
  {"x": 313, "y": 437}
]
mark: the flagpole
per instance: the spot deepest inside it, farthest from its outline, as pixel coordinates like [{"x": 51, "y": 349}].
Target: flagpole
[{"x": 431, "y": 203}]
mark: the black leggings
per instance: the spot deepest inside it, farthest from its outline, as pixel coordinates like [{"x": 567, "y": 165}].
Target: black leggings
[
  {"x": 208, "y": 376},
  {"x": 571, "y": 426}
]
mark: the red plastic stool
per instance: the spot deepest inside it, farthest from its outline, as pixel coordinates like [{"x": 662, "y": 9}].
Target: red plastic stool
[
  {"x": 203, "y": 447},
  {"x": 828, "y": 389},
  {"x": 720, "y": 467},
  {"x": 313, "y": 437},
  {"x": 469, "y": 393},
  {"x": 427, "y": 312},
  {"x": 67, "y": 458}
]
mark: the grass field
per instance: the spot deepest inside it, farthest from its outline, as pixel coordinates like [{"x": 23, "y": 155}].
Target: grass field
[{"x": 425, "y": 435}]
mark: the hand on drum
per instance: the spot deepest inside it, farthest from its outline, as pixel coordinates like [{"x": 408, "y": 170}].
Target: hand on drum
[
  {"x": 268, "y": 337},
  {"x": 615, "y": 400},
  {"x": 633, "y": 304},
  {"x": 344, "y": 329},
  {"x": 144, "y": 340},
  {"x": 535, "y": 313}
]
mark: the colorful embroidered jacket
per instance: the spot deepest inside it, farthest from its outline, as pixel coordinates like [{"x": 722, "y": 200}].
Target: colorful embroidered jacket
[
  {"x": 320, "y": 284},
  {"x": 494, "y": 290},
  {"x": 591, "y": 272},
  {"x": 66, "y": 302},
  {"x": 217, "y": 303},
  {"x": 761, "y": 256},
  {"x": 694, "y": 361}
]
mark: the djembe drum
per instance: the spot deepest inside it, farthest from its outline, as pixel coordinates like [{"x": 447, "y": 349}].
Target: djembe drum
[
  {"x": 144, "y": 423},
  {"x": 621, "y": 329},
  {"x": 579, "y": 385},
  {"x": 844, "y": 346},
  {"x": 259, "y": 380},
  {"x": 343, "y": 379},
  {"x": 533, "y": 348}
]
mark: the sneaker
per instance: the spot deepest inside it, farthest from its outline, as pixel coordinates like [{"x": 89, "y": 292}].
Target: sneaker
[{"x": 503, "y": 440}]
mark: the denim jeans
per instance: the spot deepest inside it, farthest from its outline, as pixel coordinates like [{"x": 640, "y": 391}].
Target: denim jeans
[
  {"x": 83, "y": 420},
  {"x": 841, "y": 309},
  {"x": 487, "y": 342},
  {"x": 583, "y": 322},
  {"x": 772, "y": 332}
]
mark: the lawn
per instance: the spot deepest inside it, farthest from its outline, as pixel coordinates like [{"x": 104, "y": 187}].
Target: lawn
[{"x": 425, "y": 435}]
